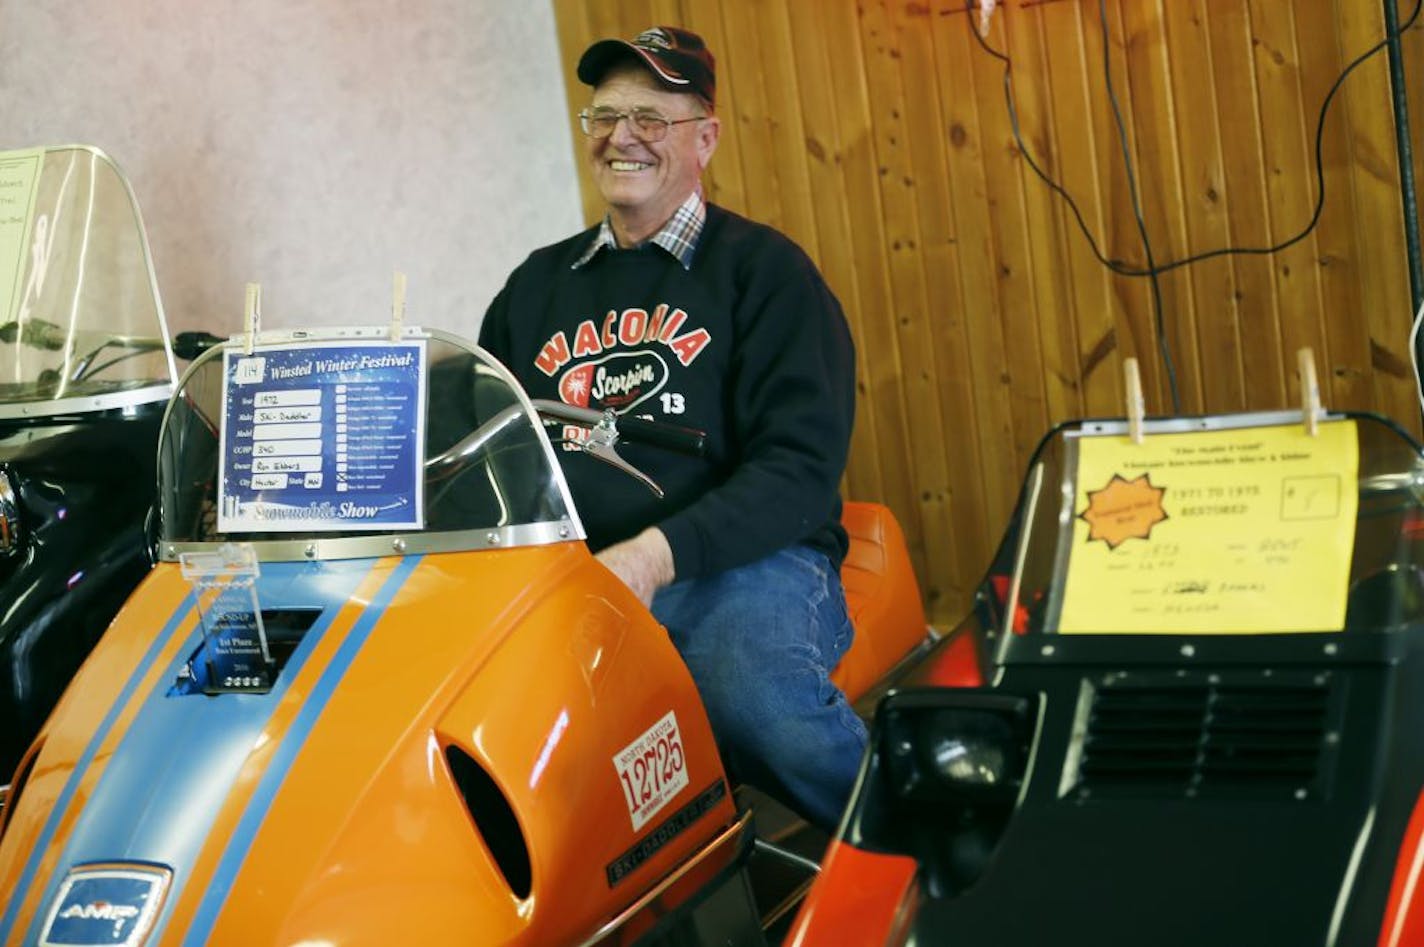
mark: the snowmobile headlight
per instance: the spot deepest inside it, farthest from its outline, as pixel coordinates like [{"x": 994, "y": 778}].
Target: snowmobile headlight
[
  {"x": 941, "y": 743},
  {"x": 943, "y": 778},
  {"x": 970, "y": 749}
]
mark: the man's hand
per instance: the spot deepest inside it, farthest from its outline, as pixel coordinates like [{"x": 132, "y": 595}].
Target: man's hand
[{"x": 644, "y": 563}]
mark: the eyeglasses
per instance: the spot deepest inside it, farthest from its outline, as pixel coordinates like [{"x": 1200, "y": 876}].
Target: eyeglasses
[{"x": 646, "y": 124}]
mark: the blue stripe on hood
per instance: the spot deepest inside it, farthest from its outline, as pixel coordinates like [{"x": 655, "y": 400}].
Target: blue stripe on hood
[
  {"x": 17, "y": 896},
  {"x": 173, "y": 769},
  {"x": 286, "y": 753}
]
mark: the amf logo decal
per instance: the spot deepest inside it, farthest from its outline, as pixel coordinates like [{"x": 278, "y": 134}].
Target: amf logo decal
[{"x": 105, "y": 906}]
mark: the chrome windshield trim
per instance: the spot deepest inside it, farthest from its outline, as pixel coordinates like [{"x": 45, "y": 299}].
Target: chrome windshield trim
[
  {"x": 142, "y": 241},
  {"x": 390, "y": 544},
  {"x": 147, "y": 254},
  {"x": 87, "y": 404}
]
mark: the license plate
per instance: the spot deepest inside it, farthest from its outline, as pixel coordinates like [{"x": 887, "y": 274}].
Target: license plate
[{"x": 652, "y": 770}]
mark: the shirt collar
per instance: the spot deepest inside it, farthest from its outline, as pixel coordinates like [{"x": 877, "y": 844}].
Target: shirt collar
[{"x": 678, "y": 236}]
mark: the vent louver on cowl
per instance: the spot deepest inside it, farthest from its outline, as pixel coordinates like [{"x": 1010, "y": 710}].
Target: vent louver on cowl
[{"x": 1202, "y": 739}]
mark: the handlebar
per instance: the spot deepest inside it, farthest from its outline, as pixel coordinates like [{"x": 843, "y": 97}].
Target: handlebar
[{"x": 673, "y": 437}]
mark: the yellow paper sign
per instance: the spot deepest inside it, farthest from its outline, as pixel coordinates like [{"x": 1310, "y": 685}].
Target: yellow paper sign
[
  {"x": 19, "y": 179},
  {"x": 1238, "y": 531}
]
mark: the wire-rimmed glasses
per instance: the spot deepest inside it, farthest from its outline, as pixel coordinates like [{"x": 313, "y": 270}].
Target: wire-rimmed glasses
[{"x": 646, "y": 124}]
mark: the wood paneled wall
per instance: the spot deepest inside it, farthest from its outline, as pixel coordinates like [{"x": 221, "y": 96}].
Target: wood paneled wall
[{"x": 878, "y": 136}]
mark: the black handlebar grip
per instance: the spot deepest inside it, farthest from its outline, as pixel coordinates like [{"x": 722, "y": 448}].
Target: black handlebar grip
[
  {"x": 673, "y": 437},
  {"x": 189, "y": 345}
]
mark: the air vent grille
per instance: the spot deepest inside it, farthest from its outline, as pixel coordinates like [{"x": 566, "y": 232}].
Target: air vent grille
[{"x": 1204, "y": 739}]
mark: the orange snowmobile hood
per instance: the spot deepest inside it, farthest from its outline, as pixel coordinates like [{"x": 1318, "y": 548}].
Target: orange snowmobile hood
[{"x": 448, "y": 756}]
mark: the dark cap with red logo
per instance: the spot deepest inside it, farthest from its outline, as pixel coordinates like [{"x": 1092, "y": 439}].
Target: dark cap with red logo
[{"x": 677, "y": 58}]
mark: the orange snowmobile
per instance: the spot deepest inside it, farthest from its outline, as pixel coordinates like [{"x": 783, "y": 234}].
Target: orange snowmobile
[{"x": 377, "y": 691}]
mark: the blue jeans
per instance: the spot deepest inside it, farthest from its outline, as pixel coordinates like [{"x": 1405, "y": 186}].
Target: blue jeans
[{"x": 760, "y": 641}]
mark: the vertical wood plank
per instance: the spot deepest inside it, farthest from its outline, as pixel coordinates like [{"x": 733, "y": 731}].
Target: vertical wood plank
[
  {"x": 1080, "y": 174},
  {"x": 899, "y": 339},
  {"x": 785, "y": 123},
  {"x": 1204, "y": 209},
  {"x": 1050, "y": 273},
  {"x": 1321, "y": 62},
  {"x": 902, "y": 311},
  {"x": 1132, "y": 299},
  {"x": 963, "y": 68},
  {"x": 749, "y": 114},
  {"x": 1248, "y": 215},
  {"x": 1147, "y": 98},
  {"x": 725, "y": 181},
  {"x": 1021, "y": 377},
  {"x": 1379, "y": 225},
  {"x": 835, "y": 251},
  {"x": 1286, "y": 159},
  {"x": 575, "y": 27},
  {"x": 840, "y": 26},
  {"x": 960, "y": 513}
]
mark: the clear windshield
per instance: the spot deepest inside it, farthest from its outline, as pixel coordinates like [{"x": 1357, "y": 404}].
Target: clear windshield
[
  {"x": 79, "y": 309},
  {"x": 1216, "y": 525},
  {"x": 486, "y": 473}
]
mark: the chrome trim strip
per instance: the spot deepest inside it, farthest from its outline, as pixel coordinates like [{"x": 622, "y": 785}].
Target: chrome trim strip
[
  {"x": 728, "y": 838},
  {"x": 1216, "y": 422},
  {"x": 85, "y": 405},
  {"x": 1011, "y": 601},
  {"x": 1347, "y": 885},
  {"x": 390, "y": 544}
]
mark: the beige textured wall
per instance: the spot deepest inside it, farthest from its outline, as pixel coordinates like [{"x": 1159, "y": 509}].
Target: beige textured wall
[{"x": 311, "y": 145}]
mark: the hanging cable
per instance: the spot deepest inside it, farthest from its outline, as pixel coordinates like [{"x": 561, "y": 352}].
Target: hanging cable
[
  {"x": 1121, "y": 267},
  {"x": 1159, "y": 317},
  {"x": 1153, "y": 270}
]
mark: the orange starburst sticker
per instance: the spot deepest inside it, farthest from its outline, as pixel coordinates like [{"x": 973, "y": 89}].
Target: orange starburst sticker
[{"x": 1123, "y": 510}]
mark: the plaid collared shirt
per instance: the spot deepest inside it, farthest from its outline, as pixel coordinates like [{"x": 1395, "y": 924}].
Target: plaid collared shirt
[{"x": 678, "y": 236}]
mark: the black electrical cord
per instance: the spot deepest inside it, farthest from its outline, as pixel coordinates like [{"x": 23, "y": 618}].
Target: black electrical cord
[
  {"x": 1158, "y": 314},
  {"x": 1153, "y": 270},
  {"x": 1159, "y": 318},
  {"x": 1118, "y": 266}
]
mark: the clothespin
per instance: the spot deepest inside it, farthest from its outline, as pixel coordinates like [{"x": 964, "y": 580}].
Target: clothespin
[
  {"x": 1309, "y": 390},
  {"x": 1136, "y": 406},
  {"x": 398, "y": 307},
  {"x": 252, "y": 319},
  {"x": 986, "y": 11}
]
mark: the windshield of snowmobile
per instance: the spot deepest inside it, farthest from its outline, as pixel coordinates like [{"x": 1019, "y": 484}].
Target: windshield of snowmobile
[
  {"x": 81, "y": 324},
  {"x": 1221, "y": 525},
  {"x": 482, "y": 473}
]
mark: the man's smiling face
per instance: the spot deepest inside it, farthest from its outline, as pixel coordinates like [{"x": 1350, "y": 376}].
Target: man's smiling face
[{"x": 645, "y": 182}]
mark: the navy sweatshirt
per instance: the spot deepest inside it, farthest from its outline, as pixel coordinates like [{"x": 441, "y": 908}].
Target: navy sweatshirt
[{"x": 749, "y": 345}]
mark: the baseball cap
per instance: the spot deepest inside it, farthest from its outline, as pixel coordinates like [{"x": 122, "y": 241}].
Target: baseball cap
[{"x": 678, "y": 59}]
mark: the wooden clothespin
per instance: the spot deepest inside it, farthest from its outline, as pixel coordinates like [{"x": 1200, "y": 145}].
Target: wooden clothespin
[
  {"x": 986, "y": 11},
  {"x": 1309, "y": 390},
  {"x": 252, "y": 318},
  {"x": 398, "y": 307},
  {"x": 1136, "y": 406}
]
